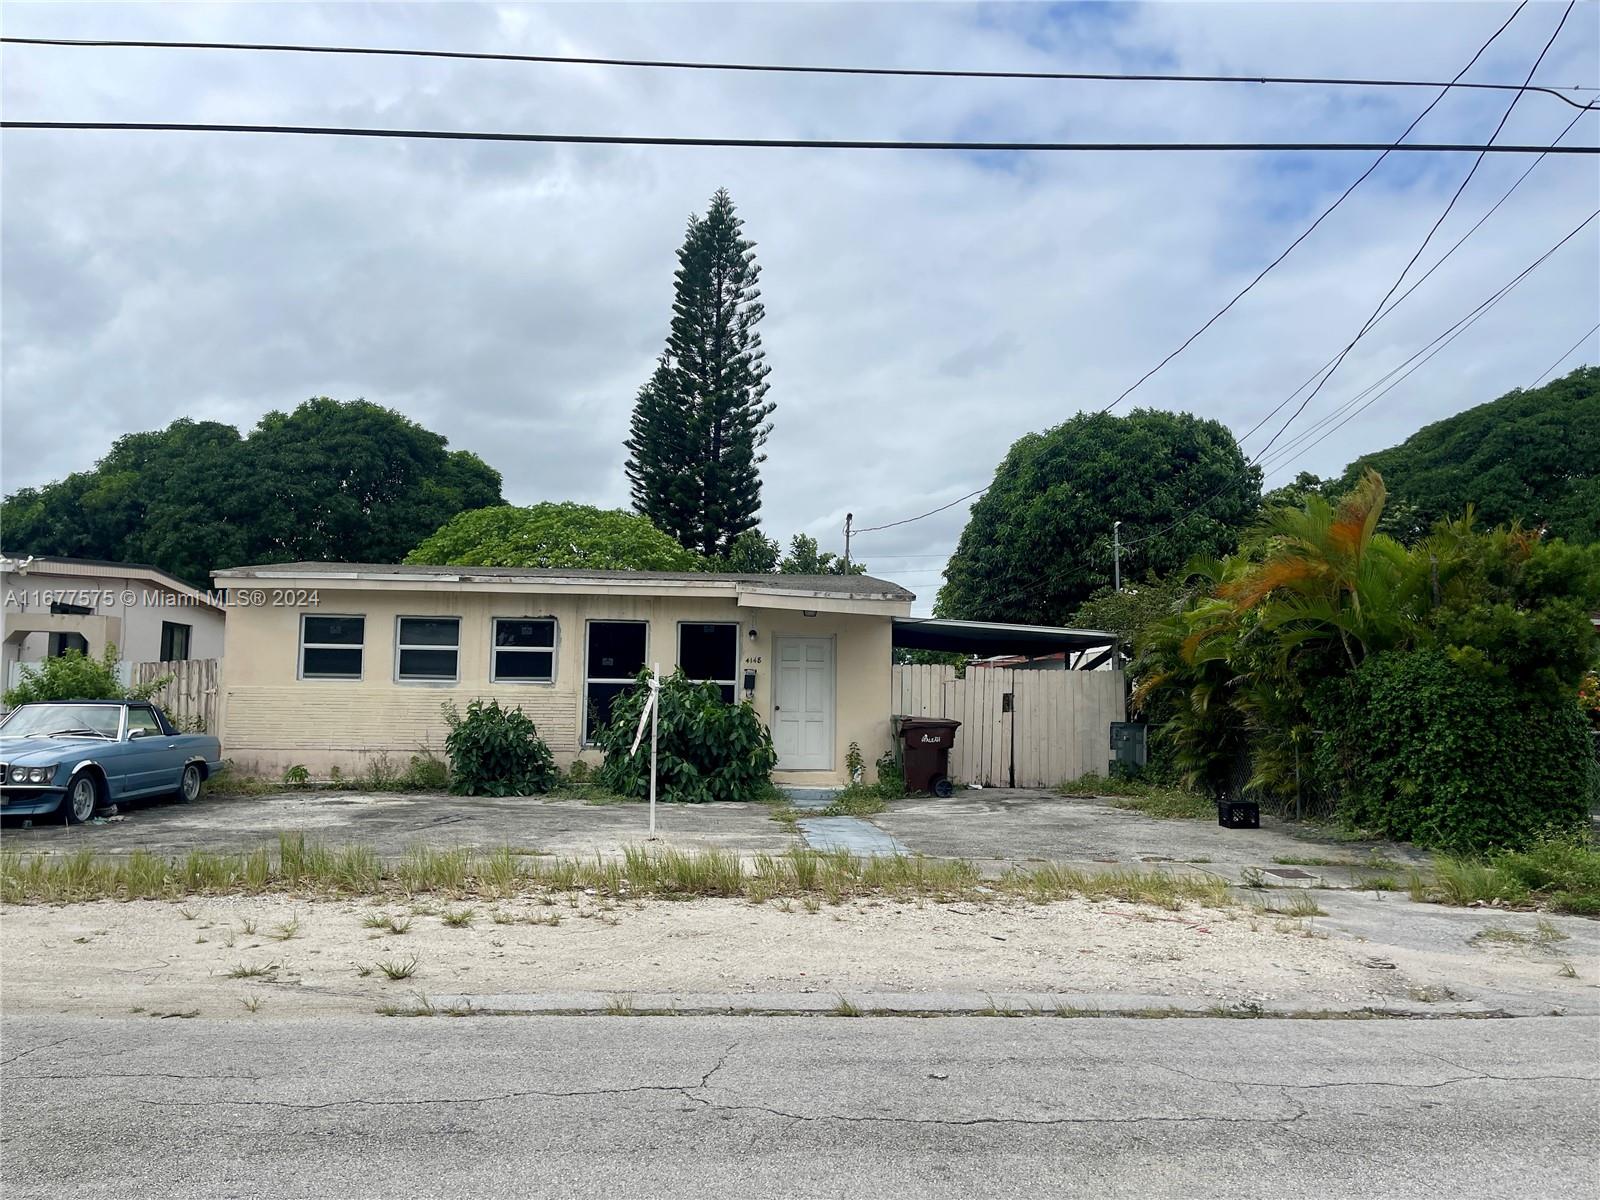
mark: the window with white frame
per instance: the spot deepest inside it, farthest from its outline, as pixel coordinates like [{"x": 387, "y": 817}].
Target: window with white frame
[
  {"x": 710, "y": 651},
  {"x": 613, "y": 661},
  {"x": 330, "y": 647},
  {"x": 524, "y": 650},
  {"x": 426, "y": 649}
]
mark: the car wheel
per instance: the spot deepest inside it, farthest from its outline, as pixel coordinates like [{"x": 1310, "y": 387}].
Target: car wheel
[
  {"x": 189, "y": 785},
  {"x": 82, "y": 798}
]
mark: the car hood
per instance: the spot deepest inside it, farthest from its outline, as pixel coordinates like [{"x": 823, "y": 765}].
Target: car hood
[{"x": 48, "y": 751}]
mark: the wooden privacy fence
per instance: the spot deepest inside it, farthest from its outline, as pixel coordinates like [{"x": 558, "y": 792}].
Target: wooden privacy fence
[
  {"x": 194, "y": 693},
  {"x": 1018, "y": 728}
]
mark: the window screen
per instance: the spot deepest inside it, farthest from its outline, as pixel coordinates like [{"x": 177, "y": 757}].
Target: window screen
[
  {"x": 426, "y": 648},
  {"x": 330, "y": 647},
  {"x": 710, "y": 651},
  {"x": 614, "y": 659},
  {"x": 524, "y": 650}
]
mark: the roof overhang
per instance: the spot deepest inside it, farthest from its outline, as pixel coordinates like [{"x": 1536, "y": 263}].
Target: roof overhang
[{"x": 988, "y": 638}]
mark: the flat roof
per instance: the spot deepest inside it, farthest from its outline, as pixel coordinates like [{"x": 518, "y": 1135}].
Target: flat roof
[
  {"x": 22, "y": 564},
  {"x": 863, "y": 587},
  {"x": 993, "y": 637}
]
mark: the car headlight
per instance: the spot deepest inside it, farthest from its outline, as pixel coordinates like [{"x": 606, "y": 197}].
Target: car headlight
[
  {"x": 40, "y": 774},
  {"x": 19, "y": 774}
]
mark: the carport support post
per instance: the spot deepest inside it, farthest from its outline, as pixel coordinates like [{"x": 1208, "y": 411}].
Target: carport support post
[{"x": 655, "y": 725}]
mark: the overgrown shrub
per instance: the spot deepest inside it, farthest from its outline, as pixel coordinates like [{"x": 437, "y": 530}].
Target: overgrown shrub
[
  {"x": 496, "y": 751},
  {"x": 1419, "y": 746},
  {"x": 707, "y": 749},
  {"x": 75, "y": 676}
]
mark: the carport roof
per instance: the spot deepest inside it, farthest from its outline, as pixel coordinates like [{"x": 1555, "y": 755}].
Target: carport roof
[{"x": 987, "y": 638}]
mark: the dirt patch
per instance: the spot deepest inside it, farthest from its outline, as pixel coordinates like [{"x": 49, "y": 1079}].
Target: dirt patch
[{"x": 168, "y": 957}]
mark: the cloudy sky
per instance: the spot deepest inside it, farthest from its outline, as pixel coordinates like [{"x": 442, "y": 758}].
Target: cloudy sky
[{"x": 923, "y": 310}]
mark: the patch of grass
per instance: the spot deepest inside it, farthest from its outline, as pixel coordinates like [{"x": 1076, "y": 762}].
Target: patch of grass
[
  {"x": 1309, "y": 860},
  {"x": 398, "y": 968},
  {"x": 847, "y": 1009},
  {"x": 248, "y": 926},
  {"x": 253, "y": 1003},
  {"x": 253, "y": 970},
  {"x": 856, "y": 801},
  {"x": 1253, "y": 877},
  {"x": 1567, "y": 971},
  {"x": 619, "y": 1006},
  {"x": 188, "y": 912},
  {"x": 1377, "y": 883},
  {"x": 1562, "y": 875},
  {"x": 287, "y": 929},
  {"x": 1166, "y": 803},
  {"x": 1295, "y": 904},
  {"x": 458, "y": 918},
  {"x": 799, "y": 874}
]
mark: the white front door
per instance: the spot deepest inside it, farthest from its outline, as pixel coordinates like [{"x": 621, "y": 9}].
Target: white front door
[{"x": 802, "y": 711}]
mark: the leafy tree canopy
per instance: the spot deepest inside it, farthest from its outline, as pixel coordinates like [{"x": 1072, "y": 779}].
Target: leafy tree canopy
[
  {"x": 1038, "y": 543},
  {"x": 753, "y": 553},
  {"x": 346, "y": 482},
  {"x": 1531, "y": 456},
  {"x": 554, "y": 535}
]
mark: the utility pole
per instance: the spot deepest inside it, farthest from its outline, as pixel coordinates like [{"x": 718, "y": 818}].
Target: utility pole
[
  {"x": 848, "y": 517},
  {"x": 1116, "y": 555}
]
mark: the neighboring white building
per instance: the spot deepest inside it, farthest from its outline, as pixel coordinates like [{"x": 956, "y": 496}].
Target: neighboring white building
[{"x": 53, "y": 605}]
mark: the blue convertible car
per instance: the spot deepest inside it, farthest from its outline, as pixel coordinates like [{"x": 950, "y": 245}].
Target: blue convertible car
[{"x": 76, "y": 755}]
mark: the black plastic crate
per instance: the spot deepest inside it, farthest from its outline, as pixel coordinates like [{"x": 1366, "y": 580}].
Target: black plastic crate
[{"x": 1239, "y": 814}]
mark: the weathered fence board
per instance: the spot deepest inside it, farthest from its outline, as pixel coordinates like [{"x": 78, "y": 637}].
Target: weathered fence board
[
  {"x": 191, "y": 699},
  {"x": 1058, "y": 728}
]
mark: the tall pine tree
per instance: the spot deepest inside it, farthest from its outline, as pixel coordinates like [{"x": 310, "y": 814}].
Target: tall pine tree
[{"x": 700, "y": 422}]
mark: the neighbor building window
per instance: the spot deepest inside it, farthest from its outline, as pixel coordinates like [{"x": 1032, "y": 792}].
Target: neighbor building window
[
  {"x": 330, "y": 647},
  {"x": 615, "y": 657},
  {"x": 426, "y": 649},
  {"x": 524, "y": 650},
  {"x": 710, "y": 651},
  {"x": 174, "y": 641}
]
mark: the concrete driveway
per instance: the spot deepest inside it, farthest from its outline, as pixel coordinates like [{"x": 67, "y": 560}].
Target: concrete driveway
[
  {"x": 390, "y": 822},
  {"x": 995, "y": 827},
  {"x": 1005, "y": 826}
]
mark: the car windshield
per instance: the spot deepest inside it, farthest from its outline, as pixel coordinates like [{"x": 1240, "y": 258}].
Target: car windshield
[{"x": 86, "y": 720}]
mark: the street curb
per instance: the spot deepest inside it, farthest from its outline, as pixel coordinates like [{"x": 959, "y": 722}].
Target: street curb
[{"x": 937, "y": 1004}]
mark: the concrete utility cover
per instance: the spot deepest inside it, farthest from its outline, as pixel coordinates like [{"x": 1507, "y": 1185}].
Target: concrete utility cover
[
  {"x": 1290, "y": 876},
  {"x": 847, "y": 833}
]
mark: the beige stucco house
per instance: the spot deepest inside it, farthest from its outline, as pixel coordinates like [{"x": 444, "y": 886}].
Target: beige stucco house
[
  {"x": 52, "y": 605},
  {"x": 329, "y": 664}
]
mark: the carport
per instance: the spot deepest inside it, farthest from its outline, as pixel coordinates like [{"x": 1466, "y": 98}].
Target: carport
[{"x": 1035, "y": 708}]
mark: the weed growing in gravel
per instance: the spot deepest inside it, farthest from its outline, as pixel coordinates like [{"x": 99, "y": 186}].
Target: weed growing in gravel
[
  {"x": 288, "y": 929},
  {"x": 846, "y": 1009},
  {"x": 252, "y": 970},
  {"x": 253, "y": 1003},
  {"x": 398, "y": 968},
  {"x": 1299, "y": 904},
  {"x": 458, "y": 918}
]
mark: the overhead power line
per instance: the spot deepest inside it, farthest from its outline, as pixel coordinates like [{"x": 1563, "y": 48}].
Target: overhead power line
[
  {"x": 1493, "y": 299},
  {"x": 781, "y": 68},
  {"x": 1307, "y": 232},
  {"x": 1323, "y": 216},
  {"x": 618, "y": 139},
  {"x": 1372, "y": 317},
  {"x": 1567, "y": 354}
]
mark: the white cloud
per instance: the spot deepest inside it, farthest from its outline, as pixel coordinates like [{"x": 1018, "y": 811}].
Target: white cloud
[{"x": 923, "y": 310}]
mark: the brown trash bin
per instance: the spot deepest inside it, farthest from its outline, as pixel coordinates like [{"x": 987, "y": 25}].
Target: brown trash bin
[{"x": 926, "y": 756}]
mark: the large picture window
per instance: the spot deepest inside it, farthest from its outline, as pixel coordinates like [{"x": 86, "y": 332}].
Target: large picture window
[
  {"x": 330, "y": 647},
  {"x": 426, "y": 649},
  {"x": 612, "y": 664},
  {"x": 710, "y": 651},
  {"x": 524, "y": 650}
]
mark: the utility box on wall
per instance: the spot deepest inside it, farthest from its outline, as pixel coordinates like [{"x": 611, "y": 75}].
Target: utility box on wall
[{"x": 1129, "y": 747}]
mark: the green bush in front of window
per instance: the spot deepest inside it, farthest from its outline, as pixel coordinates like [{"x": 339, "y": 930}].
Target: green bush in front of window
[
  {"x": 707, "y": 749},
  {"x": 496, "y": 751}
]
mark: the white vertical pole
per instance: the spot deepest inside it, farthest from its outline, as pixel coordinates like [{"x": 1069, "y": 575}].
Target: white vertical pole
[{"x": 655, "y": 723}]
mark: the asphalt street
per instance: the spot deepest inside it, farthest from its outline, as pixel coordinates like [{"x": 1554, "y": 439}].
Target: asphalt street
[{"x": 753, "y": 1107}]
